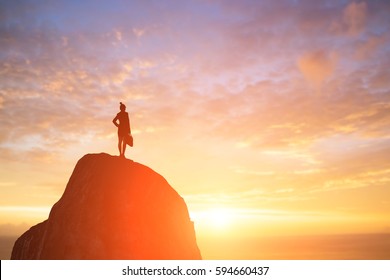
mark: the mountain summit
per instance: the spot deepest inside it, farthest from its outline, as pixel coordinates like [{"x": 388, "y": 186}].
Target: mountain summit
[{"x": 113, "y": 208}]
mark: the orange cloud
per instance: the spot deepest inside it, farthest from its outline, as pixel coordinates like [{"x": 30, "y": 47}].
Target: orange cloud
[
  {"x": 353, "y": 20},
  {"x": 367, "y": 48},
  {"x": 317, "y": 66},
  {"x": 355, "y": 16}
]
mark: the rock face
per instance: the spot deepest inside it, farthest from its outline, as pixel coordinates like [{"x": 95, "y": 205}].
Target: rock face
[{"x": 113, "y": 208}]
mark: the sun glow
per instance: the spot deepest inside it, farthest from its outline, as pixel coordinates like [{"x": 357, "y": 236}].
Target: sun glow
[
  {"x": 220, "y": 217},
  {"x": 214, "y": 219}
]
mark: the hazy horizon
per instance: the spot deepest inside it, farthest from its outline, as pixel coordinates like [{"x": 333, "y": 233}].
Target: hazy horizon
[{"x": 326, "y": 247}]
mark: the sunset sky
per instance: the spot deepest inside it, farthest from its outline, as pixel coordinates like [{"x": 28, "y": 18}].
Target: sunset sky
[{"x": 268, "y": 117}]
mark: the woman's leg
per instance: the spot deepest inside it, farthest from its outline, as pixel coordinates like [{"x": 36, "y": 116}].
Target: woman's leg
[
  {"x": 120, "y": 140},
  {"x": 123, "y": 146}
]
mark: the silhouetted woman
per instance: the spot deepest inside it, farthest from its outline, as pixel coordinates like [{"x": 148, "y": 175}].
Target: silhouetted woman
[{"x": 123, "y": 128}]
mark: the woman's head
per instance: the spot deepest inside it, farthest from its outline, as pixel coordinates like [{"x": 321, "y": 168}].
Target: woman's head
[{"x": 122, "y": 107}]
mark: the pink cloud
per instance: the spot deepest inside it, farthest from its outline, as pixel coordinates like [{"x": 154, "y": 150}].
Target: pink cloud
[
  {"x": 352, "y": 21},
  {"x": 368, "y": 48},
  {"x": 214, "y": 73},
  {"x": 355, "y": 17},
  {"x": 317, "y": 66}
]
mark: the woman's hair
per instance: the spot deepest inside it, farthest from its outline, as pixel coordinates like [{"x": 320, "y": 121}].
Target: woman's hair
[{"x": 122, "y": 106}]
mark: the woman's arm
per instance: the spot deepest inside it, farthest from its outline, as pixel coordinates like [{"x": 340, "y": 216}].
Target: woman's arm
[{"x": 114, "y": 121}]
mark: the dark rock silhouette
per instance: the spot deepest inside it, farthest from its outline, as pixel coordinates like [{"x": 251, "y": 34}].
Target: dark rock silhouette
[{"x": 113, "y": 208}]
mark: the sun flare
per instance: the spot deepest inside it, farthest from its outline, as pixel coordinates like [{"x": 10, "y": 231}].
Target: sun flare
[
  {"x": 214, "y": 219},
  {"x": 219, "y": 217}
]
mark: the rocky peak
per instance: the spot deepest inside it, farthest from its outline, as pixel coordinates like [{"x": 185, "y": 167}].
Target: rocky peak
[{"x": 113, "y": 208}]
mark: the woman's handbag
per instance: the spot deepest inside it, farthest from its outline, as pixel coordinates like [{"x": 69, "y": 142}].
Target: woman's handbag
[{"x": 129, "y": 140}]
